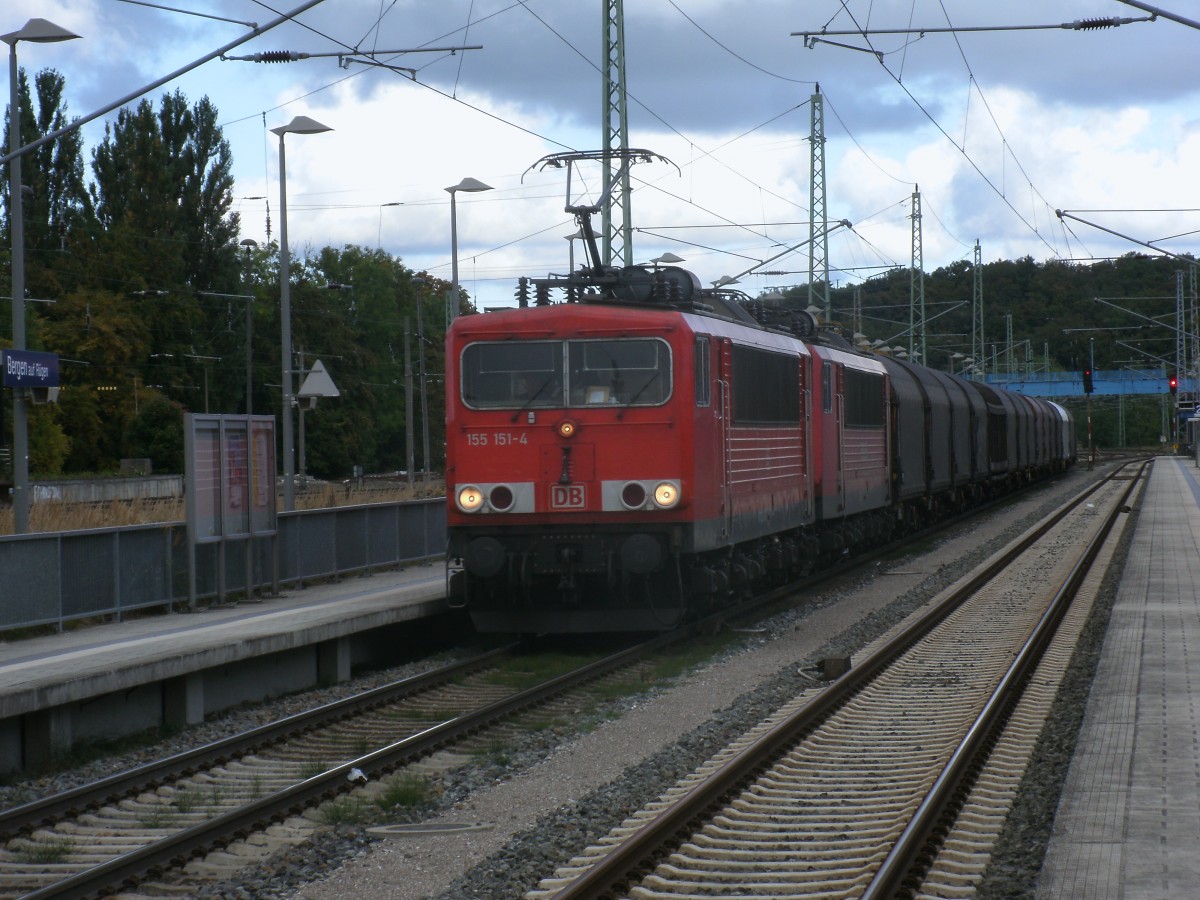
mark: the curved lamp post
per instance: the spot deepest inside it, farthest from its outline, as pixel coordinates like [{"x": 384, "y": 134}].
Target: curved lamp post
[
  {"x": 379, "y": 231},
  {"x": 471, "y": 185},
  {"x": 249, "y": 245},
  {"x": 37, "y": 31},
  {"x": 298, "y": 125}
]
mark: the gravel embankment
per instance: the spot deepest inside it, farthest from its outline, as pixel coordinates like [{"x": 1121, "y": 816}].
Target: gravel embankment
[{"x": 556, "y": 799}]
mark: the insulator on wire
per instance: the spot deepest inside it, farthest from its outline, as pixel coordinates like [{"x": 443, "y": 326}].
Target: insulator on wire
[
  {"x": 278, "y": 56},
  {"x": 1093, "y": 24}
]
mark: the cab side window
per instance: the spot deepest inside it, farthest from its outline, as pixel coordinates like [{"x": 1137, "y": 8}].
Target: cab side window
[{"x": 702, "y": 362}]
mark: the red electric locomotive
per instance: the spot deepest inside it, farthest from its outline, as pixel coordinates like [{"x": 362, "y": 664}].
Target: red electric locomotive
[{"x": 608, "y": 463}]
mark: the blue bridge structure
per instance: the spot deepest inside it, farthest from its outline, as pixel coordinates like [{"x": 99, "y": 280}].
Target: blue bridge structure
[{"x": 1104, "y": 381}]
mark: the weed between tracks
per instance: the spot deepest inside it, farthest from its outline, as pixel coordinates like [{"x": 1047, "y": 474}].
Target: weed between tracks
[
  {"x": 188, "y": 800},
  {"x": 346, "y": 811},
  {"x": 156, "y": 819},
  {"x": 405, "y": 791},
  {"x": 46, "y": 853},
  {"x": 312, "y": 769},
  {"x": 523, "y": 672}
]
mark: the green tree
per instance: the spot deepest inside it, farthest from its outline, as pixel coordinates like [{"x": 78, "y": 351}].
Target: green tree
[
  {"x": 49, "y": 445},
  {"x": 56, "y": 199},
  {"x": 156, "y": 433},
  {"x": 163, "y": 187},
  {"x": 91, "y": 448},
  {"x": 367, "y": 424},
  {"x": 102, "y": 340},
  {"x": 164, "y": 230}
]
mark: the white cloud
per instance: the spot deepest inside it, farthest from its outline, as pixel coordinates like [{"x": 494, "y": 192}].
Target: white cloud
[{"x": 1087, "y": 120}]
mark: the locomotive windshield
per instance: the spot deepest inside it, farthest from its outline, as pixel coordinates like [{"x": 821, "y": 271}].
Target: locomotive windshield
[{"x": 542, "y": 374}]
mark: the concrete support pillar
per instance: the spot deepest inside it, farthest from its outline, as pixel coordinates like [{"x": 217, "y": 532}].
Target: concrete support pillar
[
  {"x": 11, "y": 749},
  {"x": 183, "y": 700},
  {"x": 333, "y": 661},
  {"x": 47, "y": 733}
]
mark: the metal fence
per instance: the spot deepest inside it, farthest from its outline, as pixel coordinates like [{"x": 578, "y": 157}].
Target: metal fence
[
  {"x": 55, "y": 578},
  {"x": 102, "y": 490}
]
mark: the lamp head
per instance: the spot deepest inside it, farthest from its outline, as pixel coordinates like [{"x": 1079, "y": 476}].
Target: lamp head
[
  {"x": 301, "y": 125},
  {"x": 38, "y": 31},
  {"x": 471, "y": 185}
]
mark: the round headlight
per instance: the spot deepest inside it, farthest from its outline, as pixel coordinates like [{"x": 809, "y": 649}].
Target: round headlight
[
  {"x": 501, "y": 498},
  {"x": 666, "y": 495},
  {"x": 470, "y": 498},
  {"x": 567, "y": 428},
  {"x": 633, "y": 496}
]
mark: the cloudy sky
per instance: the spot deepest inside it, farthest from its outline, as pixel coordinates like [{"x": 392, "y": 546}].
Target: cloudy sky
[{"x": 998, "y": 128}]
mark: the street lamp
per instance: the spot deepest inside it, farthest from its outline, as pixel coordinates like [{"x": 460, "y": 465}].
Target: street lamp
[
  {"x": 471, "y": 185},
  {"x": 421, "y": 344},
  {"x": 37, "y": 31},
  {"x": 298, "y": 125},
  {"x": 379, "y": 235},
  {"x": 249, "y": 245}
]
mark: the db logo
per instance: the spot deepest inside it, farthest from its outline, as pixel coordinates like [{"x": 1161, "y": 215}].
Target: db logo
[{"x": 567, "y": 496}]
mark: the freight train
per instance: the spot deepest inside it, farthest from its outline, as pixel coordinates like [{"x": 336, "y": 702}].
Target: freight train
[{"x": 628, "y": 449}]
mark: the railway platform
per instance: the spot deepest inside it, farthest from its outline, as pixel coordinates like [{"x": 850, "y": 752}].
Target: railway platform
[
  {"x": 1128, "y": 820},
  {"x": 118, "y": 678}
]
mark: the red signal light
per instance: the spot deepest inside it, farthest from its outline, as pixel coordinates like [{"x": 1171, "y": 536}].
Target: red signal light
[{"x": 1174, "y": 383}]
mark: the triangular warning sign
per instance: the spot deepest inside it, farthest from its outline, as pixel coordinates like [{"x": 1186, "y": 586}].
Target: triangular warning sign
[{"x": 318, "y": 383}]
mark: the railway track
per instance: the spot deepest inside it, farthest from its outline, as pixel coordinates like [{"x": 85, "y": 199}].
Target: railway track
[
  {"x": 881, "y": 784},
  {"x": 248, "y": 796},
  {"x": 259, "y": 790}
]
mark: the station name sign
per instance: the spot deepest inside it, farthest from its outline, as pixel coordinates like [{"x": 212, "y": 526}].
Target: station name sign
[{"x": 29, "y": 369}]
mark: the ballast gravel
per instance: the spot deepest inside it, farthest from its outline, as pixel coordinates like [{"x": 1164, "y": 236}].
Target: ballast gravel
[
  {"x": 498, "y": 829},
  {"x": 536, "y": 816}
]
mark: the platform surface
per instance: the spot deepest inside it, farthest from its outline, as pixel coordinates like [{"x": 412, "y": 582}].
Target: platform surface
[
  {"x": 1128, "y": 822},
  {"x": 46, "y": 671}
]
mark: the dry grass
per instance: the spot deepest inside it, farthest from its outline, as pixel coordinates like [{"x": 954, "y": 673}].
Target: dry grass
[{"x": 59, "y": 516}]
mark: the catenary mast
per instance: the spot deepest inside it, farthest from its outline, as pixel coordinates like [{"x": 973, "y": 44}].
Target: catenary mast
[
  {"x": 617, "y": 238},
  {"x": 916, "y": 300},
  {"x": 978, "y": 345},
  {"x": 818, "y": 218}
]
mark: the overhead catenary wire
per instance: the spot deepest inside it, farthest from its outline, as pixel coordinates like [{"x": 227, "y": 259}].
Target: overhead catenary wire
[
  {"x": 1094, "y": 24},
  {"x": 1034, "y": 223},
  {"x": 866, "y": 32},
  {"x": 705, "y": 154}
]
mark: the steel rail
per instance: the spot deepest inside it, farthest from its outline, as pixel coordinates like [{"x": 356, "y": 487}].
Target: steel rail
[
  {"x": 130, "y": 868},
  {"x": 38, "y": 813},
  {"x": 127, "y": 870},
  {"x": 641, "y": 849},
  {"x": 895, "y": 876},
  {"x": 849, "y": 564}
]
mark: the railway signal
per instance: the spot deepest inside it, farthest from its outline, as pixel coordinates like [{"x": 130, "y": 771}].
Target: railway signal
[
  {"x": 1173, "y": 382},
  {"x": 1087, "y": 381}
]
